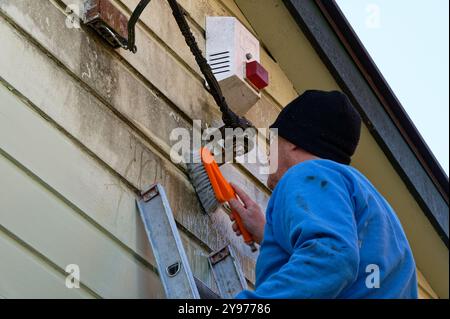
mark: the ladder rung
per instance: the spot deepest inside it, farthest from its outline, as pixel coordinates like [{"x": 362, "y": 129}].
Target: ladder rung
[{"x": 227, "y": 273}]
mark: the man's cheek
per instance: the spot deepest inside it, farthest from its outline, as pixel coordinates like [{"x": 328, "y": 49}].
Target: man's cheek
[
  {"x": 273, "y": 163},
  {"x": 271, "y": 181}
]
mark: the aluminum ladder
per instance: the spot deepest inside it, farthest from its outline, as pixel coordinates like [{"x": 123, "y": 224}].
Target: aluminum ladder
[{"x": 171, "y": 259}]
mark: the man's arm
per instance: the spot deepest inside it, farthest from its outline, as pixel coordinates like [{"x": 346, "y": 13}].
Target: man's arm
[{"x": 313, "y": 220}]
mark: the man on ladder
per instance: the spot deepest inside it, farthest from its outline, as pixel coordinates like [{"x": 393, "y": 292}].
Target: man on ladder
[{"x": 329, "y": 233}]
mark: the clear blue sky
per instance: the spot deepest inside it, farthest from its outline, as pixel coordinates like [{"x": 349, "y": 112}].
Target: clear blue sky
[{"x": 409, "y": 42}]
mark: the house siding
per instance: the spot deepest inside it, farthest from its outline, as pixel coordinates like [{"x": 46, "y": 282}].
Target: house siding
[{"x": 84, "y": 129}]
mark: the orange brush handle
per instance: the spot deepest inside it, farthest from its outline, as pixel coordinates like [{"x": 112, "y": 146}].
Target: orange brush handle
[{"x": 223, "y": 190}]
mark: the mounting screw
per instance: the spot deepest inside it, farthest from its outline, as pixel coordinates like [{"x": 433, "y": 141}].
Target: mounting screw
[{"x": 249, "y": 56}]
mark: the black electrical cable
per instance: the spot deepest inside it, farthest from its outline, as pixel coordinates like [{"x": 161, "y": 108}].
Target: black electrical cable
[
  {"x": 132, "y": 24},
  {"x": 229, "y": 118}
]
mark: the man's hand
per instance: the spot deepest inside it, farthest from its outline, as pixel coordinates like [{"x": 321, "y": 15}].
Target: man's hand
[{"x": 252, "y": 217}]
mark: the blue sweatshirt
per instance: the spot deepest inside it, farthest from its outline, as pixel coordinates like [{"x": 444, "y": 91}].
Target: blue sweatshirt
[{"x": 330, "y": 234}]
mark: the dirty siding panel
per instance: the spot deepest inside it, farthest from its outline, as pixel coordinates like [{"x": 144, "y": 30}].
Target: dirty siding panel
[
  {"x": 96, "y": 197},
  {"x": 109, "y": 135},
  {"x": 119, "y": 111},
  {"x": 56, "y": 231},
  {"x": 47, "y": 217},
  {"x": 31, "y": 87},
  {"x": 100, "y": 197},
  {"x": 82, "y": 115},
  {"x": 113, "y": 143},
  {"x": 275, "y": 96},
  {"x": 101, "y": 72},
  {"x": 159, "y": 26},
  {"x": 159, "y": 19},
  {"x": 94, "y": 65},
  {"x": 153, "y": 60},
  {"x": 93, "y": 194}
]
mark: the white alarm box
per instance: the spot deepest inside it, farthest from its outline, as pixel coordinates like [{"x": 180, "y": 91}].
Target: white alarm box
[{"x": 234, "y": 55}]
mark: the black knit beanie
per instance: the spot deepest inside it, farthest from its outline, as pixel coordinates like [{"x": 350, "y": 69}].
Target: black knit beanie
[{"x": 322, "y": 123}]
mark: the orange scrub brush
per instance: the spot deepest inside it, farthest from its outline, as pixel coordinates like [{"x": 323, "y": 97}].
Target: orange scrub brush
[{"x": 213, "y": 189}]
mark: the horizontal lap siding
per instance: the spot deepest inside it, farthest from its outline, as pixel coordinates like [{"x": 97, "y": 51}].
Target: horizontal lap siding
[
  {"x": 50, "y": 202},
  {"x": 87, "y": 128},
  {"x": 25, "y": 275}
]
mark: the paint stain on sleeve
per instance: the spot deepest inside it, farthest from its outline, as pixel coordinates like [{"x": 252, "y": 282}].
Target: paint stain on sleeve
[{"x": 301, "y": 203}]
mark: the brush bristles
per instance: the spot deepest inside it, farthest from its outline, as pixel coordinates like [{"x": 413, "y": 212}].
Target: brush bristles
[{"x": 202, "y": 184}]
